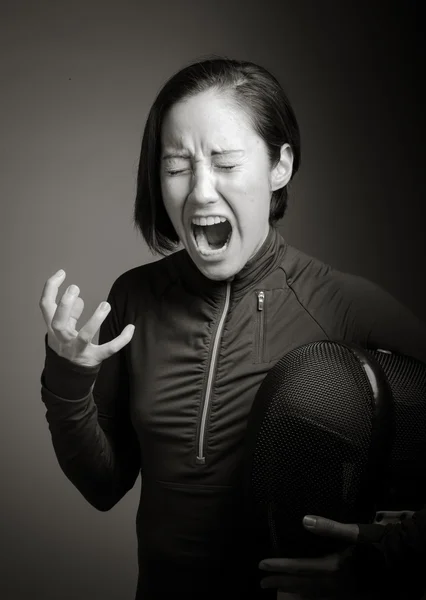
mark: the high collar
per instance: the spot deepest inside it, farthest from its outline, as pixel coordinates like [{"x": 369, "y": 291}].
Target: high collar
[{"x": 256, "y": 269}]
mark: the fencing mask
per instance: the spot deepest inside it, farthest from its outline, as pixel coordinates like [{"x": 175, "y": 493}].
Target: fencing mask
[{"x": 338, "y": 431}]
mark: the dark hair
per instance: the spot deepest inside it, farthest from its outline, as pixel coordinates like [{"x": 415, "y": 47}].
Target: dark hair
[{"x": 256, "y": 91}]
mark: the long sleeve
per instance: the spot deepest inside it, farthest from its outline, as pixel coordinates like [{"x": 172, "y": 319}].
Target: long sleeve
[
  {"x": 375, "y": 319},
  {"x": 396, "y": 553},
  {"x": 89, "y": 420}
]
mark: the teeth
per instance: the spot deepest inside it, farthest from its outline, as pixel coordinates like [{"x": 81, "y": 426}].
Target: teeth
[{"x": 211, "y": 220}]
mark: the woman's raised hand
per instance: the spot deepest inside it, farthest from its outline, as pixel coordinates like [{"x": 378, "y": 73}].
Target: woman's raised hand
[{"x": 61, "y": 320}]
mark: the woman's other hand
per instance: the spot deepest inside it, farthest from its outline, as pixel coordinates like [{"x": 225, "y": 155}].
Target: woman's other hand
[{"x": 61, "y": 320}]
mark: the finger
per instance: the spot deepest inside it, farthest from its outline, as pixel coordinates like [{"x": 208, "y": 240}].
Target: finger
[
  {"x": 47, "y": 301},
  {"x": 289, "y": 596},
  {"x": 326, "y": 527},
  {"x": 307, "y": 587},
  {"x": 115, "y": 345},
  {"x": 90, "y": 329},
  {"x": 60, "y": 323},
  {"x": 76, "y": 310},
  {"x": 323, "y": 564}
]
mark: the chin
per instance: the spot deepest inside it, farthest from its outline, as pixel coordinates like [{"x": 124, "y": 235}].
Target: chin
[{"x": 218, "y": 272}]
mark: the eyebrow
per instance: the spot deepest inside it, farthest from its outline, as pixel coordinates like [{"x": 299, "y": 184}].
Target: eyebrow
[
  {"x": 176, "y": 154},
  {"x": 183, "y": 154}
]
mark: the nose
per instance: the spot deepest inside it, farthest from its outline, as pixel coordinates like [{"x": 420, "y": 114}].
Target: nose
[{"x": 204, "y": 186}]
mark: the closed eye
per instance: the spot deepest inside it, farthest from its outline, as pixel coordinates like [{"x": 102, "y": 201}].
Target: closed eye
[{"x": 176, "y": 172}]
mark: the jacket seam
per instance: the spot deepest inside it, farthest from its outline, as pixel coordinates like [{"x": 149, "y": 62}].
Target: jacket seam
[{"x": 299, "y": 301}]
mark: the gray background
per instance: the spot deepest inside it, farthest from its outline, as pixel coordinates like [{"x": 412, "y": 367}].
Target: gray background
[{"x": 77, "y": 81}]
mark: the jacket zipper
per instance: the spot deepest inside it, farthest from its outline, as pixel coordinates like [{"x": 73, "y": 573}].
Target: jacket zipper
[
  {"x": 261, "y": 325},
  {"x": 212, "y": 367}
]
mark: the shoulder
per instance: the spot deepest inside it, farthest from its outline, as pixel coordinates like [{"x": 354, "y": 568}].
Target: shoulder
[
  {"x": 352, "y": 307},
  {"x": 308, "y": 275},
  {"x": 150, "y": 278},
  {"x": 313, "y": 280},
  {"x": 338, "y": 300}
]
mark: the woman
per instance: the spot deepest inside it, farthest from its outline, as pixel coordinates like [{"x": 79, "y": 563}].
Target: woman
[{"x": 186, "y": 341}]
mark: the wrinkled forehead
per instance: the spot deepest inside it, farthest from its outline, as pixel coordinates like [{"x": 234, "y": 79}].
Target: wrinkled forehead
[{"x": 207, "y": 118}]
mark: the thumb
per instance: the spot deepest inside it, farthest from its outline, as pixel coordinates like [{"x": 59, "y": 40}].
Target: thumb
[{"x": 326, "y": 527}]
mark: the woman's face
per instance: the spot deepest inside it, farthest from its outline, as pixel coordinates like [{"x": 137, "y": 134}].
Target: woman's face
[{"x": 216, "y": 182}]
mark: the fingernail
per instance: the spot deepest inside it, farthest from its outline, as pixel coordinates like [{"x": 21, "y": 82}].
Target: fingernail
[
  {"x": 60, "y": 273},
  {"x": 104, "y": 306},
  {"x": 309, "y": 521},
  {"x": 73, "y": 289}
]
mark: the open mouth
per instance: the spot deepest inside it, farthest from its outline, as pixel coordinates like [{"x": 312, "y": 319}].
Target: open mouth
[{"x": 212, "y": 234}]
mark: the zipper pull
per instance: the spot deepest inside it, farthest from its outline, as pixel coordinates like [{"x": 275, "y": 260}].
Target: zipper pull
[{"x": 260, "y": 300}]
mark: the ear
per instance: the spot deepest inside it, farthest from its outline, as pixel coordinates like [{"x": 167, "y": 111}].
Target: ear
[{"x": 281, "y": 172}]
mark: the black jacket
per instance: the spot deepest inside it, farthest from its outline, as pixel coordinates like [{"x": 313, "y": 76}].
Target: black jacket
[{"x": 174, "y": 402}]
